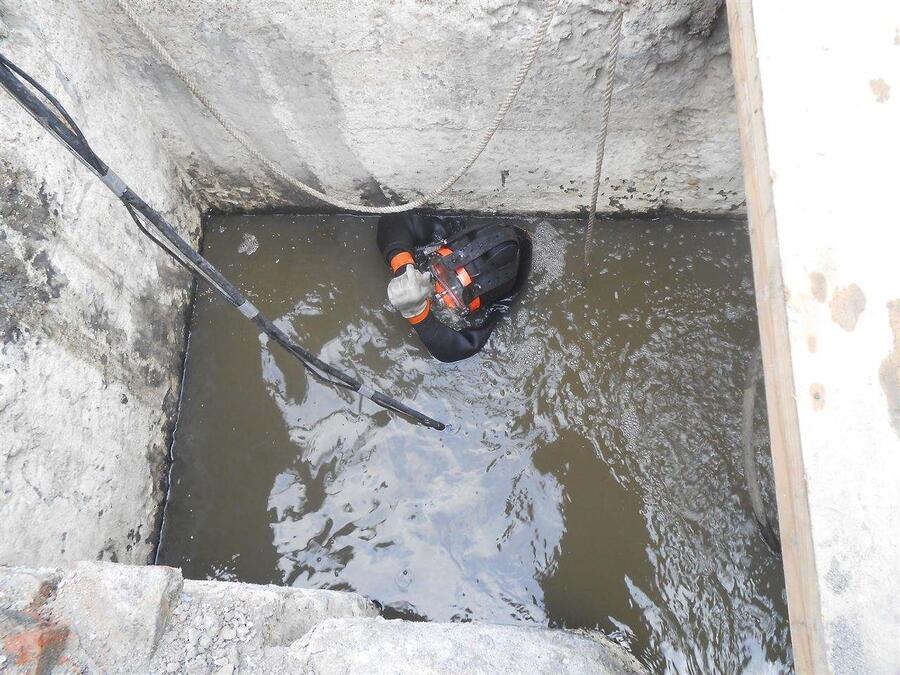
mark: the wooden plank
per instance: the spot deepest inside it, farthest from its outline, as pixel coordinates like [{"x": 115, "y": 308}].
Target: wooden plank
[{"x": 801, "y": 580}]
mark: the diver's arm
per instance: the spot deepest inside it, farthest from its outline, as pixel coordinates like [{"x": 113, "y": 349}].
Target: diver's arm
[
  {"x": 447, "y": 344},
  {"x": 402, "y": 233}
]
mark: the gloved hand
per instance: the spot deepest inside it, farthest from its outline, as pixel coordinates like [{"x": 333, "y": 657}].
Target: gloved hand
[{"x": 409, "y": 292}]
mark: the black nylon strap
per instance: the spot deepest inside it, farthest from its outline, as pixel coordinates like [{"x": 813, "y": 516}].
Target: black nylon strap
[
  {"x": 483, "y": 243},
  {"x": 488, "y": 281},
  {"x": 467, "y": 230}
]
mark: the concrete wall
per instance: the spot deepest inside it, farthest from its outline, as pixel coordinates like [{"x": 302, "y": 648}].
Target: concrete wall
[
  {"x": 370, "y": 98},
  {"x": 377, "y": 100},
  {"x": 91, "y": 316},
  {"x": 365, "y": 97}
]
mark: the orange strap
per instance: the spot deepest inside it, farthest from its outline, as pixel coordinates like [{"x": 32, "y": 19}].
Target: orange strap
[
  {"x": 401, "y": 259},
  {"x": 420, "y": 317},
  {"x": 463, "y": 276}
]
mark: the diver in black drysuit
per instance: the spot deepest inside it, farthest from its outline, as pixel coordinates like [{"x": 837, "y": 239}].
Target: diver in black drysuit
[{"x": 487, "y": 267}]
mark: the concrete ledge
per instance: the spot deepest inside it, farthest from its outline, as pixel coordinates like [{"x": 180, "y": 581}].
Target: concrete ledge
[
  {"x": 379, "y": 646},
  {"x": 22, "y": 589},
  {"x": 105, "y": 617},
  {"x": 110, "y": 618},
  {"x": 118, "y": 612}
]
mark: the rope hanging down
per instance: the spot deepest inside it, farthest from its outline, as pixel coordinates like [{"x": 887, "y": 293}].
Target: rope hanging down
[
  {"x": 248, "y": 145},
  {"x": 604, "y": 129}
]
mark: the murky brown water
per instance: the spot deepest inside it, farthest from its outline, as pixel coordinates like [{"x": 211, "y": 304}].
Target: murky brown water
[{"x": 591, "y": 476}]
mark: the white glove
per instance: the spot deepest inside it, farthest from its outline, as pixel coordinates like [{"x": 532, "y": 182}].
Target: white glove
[{"x": 409, "y": 292}]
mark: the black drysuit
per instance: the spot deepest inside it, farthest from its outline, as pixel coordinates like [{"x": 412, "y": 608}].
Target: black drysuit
[{"x": 407, "y": 232}]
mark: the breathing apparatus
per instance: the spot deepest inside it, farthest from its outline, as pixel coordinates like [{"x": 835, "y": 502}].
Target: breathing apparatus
[{"x": 460, "y": 269}]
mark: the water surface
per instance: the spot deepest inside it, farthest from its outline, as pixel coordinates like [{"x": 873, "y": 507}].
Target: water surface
[{"x": 591, "y": 475}]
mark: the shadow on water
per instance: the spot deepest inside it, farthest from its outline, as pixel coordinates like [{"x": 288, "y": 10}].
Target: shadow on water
[{"x": 592, "y": 475}]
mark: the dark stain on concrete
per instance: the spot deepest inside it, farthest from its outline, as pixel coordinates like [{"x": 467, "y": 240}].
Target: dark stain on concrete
[
  {"x": 846, "y": 306},
  {"x": 837, "y": 578},
  {"x": 28, "y": 276},
  {"x": 819, "y": 286},
  {"x": 847, "y": 654},
  {"x": 152, "y": 340},
  {"x": 134, "y": 536},
  {"x": 817, "y": 392},
  {"x": 55, "y": 280},
  {"x": 371, "y": 192},
  {"x": 96, "y": 317},
  {"x": 108, "y": 552},
  {"x": 226, "y": 191},
  {"x": 889, "y": 372}
]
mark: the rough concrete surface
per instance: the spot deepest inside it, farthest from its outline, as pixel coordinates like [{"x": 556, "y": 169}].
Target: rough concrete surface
[
  {"x": 376, "y": 100},
  {"x": 118, "y": 612},
  {"x": 91, "y": 314},
  {"x": 377, "y": 646},
  {"x": 103, "y": 617}
]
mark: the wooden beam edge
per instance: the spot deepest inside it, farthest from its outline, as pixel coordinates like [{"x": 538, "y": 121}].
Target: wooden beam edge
[{"x": 801, "y": 580}]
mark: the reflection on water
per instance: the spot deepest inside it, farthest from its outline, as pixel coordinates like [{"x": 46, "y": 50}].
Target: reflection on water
[{"x": 591, "y": 475}]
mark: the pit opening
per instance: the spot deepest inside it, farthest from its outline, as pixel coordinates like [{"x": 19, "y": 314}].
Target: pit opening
[{"x": 592, "y": 473}]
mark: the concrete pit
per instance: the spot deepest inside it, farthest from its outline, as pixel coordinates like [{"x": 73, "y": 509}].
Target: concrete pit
[{"x": 93, "y": 317}]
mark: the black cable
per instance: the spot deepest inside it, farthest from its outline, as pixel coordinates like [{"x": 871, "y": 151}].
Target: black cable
[
  {"x": 320, "y": 370},
  {"x": 46, "y": 94},
  {"x": 168, "y": 239},
  {"x": 158, "y": 242},
  {"x": 66, "y": 131}
]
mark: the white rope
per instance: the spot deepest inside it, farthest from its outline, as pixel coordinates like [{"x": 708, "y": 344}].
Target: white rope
[
  {"x": 277, "y": 170},
  {"x": 604, "y": 129}
]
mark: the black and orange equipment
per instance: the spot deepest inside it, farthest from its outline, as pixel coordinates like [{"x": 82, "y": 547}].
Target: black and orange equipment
[
  {"x": 464, "y": 266},
  {"x": 476, "y": 270}
]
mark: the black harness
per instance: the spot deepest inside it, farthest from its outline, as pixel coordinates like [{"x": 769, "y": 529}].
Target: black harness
[{"x": 458, "y": 283}]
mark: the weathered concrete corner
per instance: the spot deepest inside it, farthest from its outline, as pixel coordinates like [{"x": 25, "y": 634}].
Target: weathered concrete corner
[
  {"x": 110, "y": 618},
  {"x": 118, "y": 612},
  {"x": 91, "y": 314}
]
